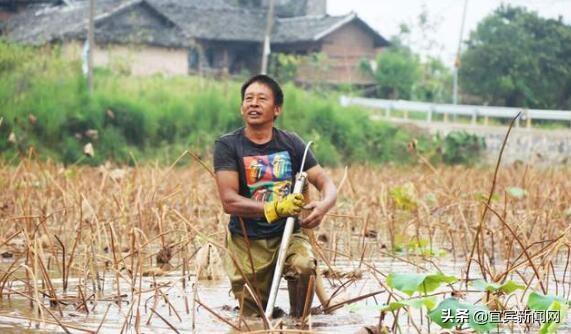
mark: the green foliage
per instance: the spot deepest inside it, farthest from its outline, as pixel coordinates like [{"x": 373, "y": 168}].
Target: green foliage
[
  {"x": 435, "y": 84},
  {"x": 11, "y": 57},
  {"x": 400, "y": 74},
  {"x": 435, "y": 81},
  {"x": 404, "y": 197},
  {"x": 481, "y": 197},
  {"x": 460, "y": 147},
  {"x": 417, "y": 303},
  {"x": 422, "y": 248},
  {"x": 541, "y": 302},
  {"x": 131, "y": 116},
  {"x": 518, "y": 59},
  {"x": 396, "y": 71},
  {"x": 283, "y": 66},
  {"x": 422, "y": 283},
  {"x": 505, "y": 288},
  {"x": 327, "y": 153},
  {"x": 157, "y": 118},
  {"x": 516, "y": 192},
  {"x": 454, "y": 305},
  {"x": 342, "y": 134}
]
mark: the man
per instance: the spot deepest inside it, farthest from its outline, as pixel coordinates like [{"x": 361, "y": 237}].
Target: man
[{"x": 255, "y": 169}]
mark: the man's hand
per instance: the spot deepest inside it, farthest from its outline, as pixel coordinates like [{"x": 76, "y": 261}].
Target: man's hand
[
  {"x": 318, "y": 211},
  {"x": 290, "y": 205}
]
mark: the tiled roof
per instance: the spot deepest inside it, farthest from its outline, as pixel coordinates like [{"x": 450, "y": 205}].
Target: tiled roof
[{"x": 183, "y": 20}]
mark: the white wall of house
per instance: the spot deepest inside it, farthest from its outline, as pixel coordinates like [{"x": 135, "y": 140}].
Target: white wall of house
[{"x": 135, "y": 60}]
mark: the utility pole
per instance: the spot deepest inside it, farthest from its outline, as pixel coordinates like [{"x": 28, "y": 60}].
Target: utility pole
[
  {"x": 90, "y": 45},
  {"x": 266, "y": 50},
  {"x": 457, "y": 60}
]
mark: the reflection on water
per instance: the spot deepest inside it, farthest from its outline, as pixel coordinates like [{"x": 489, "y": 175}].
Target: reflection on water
[{"x": 173, "y": 301}]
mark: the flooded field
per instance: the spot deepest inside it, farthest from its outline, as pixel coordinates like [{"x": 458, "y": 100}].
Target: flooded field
[{"x": 139, "y": 250}]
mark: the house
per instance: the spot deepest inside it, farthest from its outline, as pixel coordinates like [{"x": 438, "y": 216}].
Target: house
[
  {"x": 220, "y": 36},
  {"x": 9, "y": 8}
]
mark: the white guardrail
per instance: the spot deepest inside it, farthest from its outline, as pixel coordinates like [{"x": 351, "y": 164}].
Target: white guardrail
[{"x": 451, "y": 109}]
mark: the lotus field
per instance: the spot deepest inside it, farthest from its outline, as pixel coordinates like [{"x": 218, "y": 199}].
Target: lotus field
[{"x": 406, "y": 250}]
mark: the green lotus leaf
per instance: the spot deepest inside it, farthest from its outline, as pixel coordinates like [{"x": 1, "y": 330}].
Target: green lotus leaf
[
  {"x": 516, "y": 192},
  {"x": 417, "y": 303},
  {"x": 423, "y": 283},
  {"x": 507, "y": 288},
  {"x": 447, "y": 315},
  {"x": 539, "y": 302}
]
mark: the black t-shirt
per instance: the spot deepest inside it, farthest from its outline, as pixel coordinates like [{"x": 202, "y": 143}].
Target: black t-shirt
[{"x": 265, "y": 171}]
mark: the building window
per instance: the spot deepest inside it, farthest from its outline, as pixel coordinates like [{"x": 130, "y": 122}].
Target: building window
[
  {"x": 210, "y": 57},
  {"x": 193, "y": 59}
]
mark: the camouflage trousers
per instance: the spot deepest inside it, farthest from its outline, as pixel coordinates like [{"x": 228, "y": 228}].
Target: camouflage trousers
[{"x": 300, "y": 264}]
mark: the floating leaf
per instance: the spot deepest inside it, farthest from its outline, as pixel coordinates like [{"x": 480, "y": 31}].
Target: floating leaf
[
  {"x": 441, "y": 252},
  {"x": 452, "y": 313},
  {"x": 428, "y": 302},
  {"x": 516, "y": 192},
  {"x": 411, "y": 283},
  {"x": 423, "y": 248},
  {"x": 507, "y": 288},
  {"x": 541, "y": 302},
  {"x": 551, "y": 326},
  {"x": 398, "y": 248},
  {"x": 390, "y": 307},
  {"x": 439, "y": 314}
]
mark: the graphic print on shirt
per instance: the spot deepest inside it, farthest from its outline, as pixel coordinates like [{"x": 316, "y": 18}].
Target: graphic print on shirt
[{"x": 268, "y": 175}]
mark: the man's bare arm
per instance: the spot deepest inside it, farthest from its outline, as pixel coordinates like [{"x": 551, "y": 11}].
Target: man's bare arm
[
  {"x": 317, "y": 176},
  {"x": 234, "y": 203}
]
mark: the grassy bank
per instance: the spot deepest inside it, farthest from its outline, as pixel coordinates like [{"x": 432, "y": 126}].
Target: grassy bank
[{"x": 45, "y": 105}]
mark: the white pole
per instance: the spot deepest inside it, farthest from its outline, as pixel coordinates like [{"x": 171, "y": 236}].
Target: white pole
[
  {"x": 266, "y": 49},
  {"x": 91, "y": 46},
  {"x": 288, "y": 230},
  {"x": 457, "y": 61},
  {"x": 297, "y": 189}
]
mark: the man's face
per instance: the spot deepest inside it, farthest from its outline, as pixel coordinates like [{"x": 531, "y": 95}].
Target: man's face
[{"x": 258, "y": 107}]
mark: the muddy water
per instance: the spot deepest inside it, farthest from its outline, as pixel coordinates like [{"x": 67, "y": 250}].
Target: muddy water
[{"x": 215, "y": 295}]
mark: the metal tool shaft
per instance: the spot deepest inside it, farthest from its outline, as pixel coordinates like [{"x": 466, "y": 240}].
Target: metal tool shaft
[{"x": 288, "y": 230}]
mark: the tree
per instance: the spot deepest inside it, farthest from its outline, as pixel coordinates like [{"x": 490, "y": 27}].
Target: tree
[
  {"x": 518, "y": 59},
  {"x": 402, "y": 73},
  {"x": 396, "y": 70},
  {"x": 436, "y": 82}
]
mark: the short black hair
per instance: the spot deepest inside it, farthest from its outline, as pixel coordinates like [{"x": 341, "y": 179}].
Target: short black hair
[{"x": 268, "y": 81}]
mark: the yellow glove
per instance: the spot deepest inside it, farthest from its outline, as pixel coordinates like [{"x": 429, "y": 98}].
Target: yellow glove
[{"x": 290, "y": 205}]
